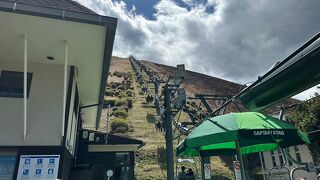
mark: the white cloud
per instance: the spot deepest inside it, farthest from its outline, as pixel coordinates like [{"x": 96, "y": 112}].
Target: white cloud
[
  {"x": 238, "y": 42},
  {"x": 308, "y": 94}
]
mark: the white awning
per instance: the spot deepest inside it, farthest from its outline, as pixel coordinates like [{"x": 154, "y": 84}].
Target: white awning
[{"x": 47, "y": 37}]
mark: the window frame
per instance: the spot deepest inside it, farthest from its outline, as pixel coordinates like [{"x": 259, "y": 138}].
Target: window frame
[
  {"x": 297, "y": 153},
  {"x": 6, "y": 93},
  {"x": 281, "y": 158}
]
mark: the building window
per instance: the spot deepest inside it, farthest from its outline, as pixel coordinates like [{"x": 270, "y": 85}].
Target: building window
[
  {"x": 7, "y": 164},
  {"x": 11, "y": 84},
  {"x": 280, "y": 156},
  {"x": 273, "y": 159},
  {"x": 297, "y": 152}
]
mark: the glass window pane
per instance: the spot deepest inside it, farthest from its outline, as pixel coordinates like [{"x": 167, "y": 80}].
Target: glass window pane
[
  {"x": 11, "y": 84},
  {"x": 7, "y": 164},
  {"x": 122, "y": 166}
]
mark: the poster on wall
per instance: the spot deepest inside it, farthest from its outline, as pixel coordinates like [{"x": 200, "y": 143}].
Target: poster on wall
[{"x": 38, "y": 167}]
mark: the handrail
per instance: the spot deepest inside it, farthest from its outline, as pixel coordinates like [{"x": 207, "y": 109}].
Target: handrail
[
  {"x": 304, "y": 168},
  {"x": 281, "y": 166}
]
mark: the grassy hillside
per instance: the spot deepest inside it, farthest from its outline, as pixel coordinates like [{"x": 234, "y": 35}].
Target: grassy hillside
[{"x": 150, "y": 159}]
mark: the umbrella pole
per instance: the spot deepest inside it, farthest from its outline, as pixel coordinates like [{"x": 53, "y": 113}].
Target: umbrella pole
[{"x": 243, "y": 175}]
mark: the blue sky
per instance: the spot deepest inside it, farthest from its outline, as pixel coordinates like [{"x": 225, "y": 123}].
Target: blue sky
[
  {"x": 143, "y": 7},
  {"x": 146, "y": 7}
]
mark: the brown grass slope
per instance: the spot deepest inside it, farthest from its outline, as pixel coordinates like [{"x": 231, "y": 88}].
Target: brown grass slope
[{"x": 197, "y": 83}]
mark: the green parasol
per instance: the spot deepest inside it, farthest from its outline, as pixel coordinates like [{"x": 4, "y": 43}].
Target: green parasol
[{"x": 253, "y": 131}]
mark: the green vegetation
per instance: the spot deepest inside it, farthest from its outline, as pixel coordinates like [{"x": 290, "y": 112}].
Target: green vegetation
[
  {"x": 118, "y": 74},
  {"x": 109, "y": 92},
  {"x": 121, "y": 113},
  {"x": 306, "y": 117},
  {"x": 108, "y": 101},
  {"x": 119, "y": 125},
  {"x": 121, "y": 102},
  {"x": 129, "y": 92},
  {"x": 122, "y": 95},
  {"x": 116, "y": 93}
]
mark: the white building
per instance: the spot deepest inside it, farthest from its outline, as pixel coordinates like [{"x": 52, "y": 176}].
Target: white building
[{"x": 54, "y": 61}]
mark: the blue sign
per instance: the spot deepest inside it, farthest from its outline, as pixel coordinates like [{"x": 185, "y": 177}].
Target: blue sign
[
  {"x": 38, "y": 171},
  {"x": 39, "y": 161},
  {"x": 37, "y": 167},
  {"x": 50, "y": 171},
  {"x": 51, "y": 161},
  {"x": 27, "y": 161},
  {"x": 25, "y": 172}
]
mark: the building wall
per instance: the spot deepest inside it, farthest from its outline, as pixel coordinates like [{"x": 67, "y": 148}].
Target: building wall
[
  {"x": 305, "y": 157},
  {"x": 44, "y": 108}
]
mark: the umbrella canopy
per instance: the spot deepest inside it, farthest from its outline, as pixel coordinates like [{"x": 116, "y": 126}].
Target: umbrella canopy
[{"x": 254, "y": 131}]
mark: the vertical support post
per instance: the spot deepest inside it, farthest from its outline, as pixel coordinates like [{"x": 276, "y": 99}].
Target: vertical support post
[
  {"x": 25, "y": 73},
  {"x": 262, "y": 165},
  {"x": 204, "y": 160},
  {"x": 64, "y": 86},
  {"x": 168, "y": 133},
  {"x": 243, "y": 175}
]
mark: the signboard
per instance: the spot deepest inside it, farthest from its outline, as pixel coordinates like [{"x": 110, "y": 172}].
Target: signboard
[
  {"x": 38, "y": 167},
  {"x": 207, "y": 171},
  {"x": 267, "y": 134},
  {"x": 237, "y": 170},
  {"x": 185, "y": 160}
]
